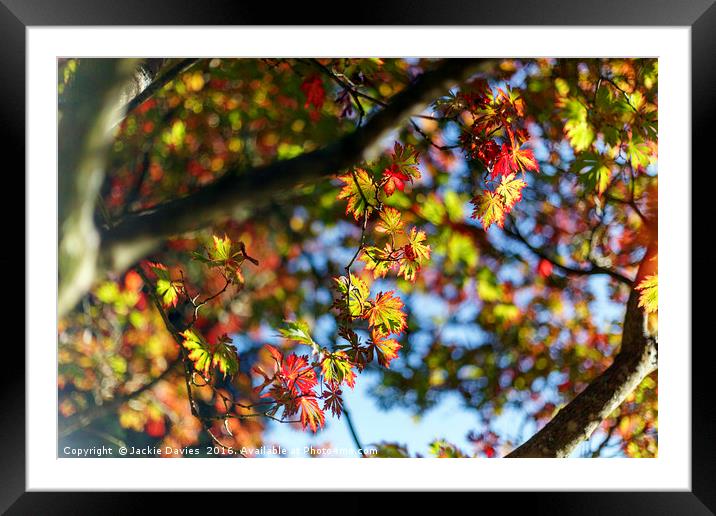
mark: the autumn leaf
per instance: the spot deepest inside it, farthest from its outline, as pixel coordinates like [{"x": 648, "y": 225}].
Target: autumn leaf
[
  {"x": 227, "y": 254},
  {"x": 205, "y": 356},
  {"x": 513, "y": 159},
  {"x": 378, "y": 260},
  {"x": 649, "y": 293},
  {"x": 298, "y": 376},
  {"x": 222, "y": 250},
  {"x": 166, "y": 289},
  {"x": 490, "y": 209},
  {"x": 357, "y": 192},
  {"x": 333, "y": 401},
  {"x": 311, "y": 414},
  {"x": 337, "y": 368},
  {"x": 389, "y": 222},
  {"x": 358, "y": 293},
  {"x": 393, "y": 178},
  {"x": 524, "y": 159},
  {"x": 406, "y": 160},
  {"x": 385, "y": 349},
  {"x": 312, "y": 87},
  {"x": 511, "y": 190},
  {"x": 638, "y": 154},
  {"x": 386, "y": 314},
  {"x": 415, "y": 254}
]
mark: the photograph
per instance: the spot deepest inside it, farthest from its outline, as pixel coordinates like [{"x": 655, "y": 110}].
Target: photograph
[{"x": 357, "y": 257}]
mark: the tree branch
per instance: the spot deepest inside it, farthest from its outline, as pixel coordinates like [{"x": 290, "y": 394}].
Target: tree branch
[
  {"x": 594, "y": 269},
  {"x": 636, "y": 359},
  {"x": 157, "y": 83},
  {"x": 136, "y": 235}
]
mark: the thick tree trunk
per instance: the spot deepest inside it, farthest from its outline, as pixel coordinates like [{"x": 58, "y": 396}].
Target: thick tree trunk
[{"x": 88, "y": 115}]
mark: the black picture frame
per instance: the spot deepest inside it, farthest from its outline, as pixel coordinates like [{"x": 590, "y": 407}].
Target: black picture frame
[{"x": 16, "y": 15}]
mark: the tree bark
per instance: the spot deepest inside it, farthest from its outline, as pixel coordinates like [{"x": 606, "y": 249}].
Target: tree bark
[
  {"x": 84, "y": 136},
  {"x": 636, "y": 359}
]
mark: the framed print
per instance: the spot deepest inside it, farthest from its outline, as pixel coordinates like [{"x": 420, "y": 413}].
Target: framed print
[{"x": 424, "y": 246}]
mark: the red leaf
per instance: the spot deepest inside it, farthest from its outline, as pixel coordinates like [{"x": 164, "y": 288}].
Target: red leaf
[
  {"x": 297, "y": 374},
  {"x": 394, "y": 179},
  {"x": 311, "y": 414},
  {"x": 312, "y": 87}
]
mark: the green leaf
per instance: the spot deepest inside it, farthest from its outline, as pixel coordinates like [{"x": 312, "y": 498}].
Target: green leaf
[
  {"x": 166, "y": 289},
  {"x": 638, "y": 154},
  {"x": 337, "y": 368},
  {"x": 205, "y": 356},
  {"x": 358, "y": 296},
  {"x": 592, "y": 172},
  {"x": 199, "y": 351},
  {"x": 298, "y": 331}
]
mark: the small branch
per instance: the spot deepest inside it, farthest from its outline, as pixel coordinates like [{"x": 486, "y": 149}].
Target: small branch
[
  {"x": 352, "y": 430},
  {"x": 594, "y": 269}
]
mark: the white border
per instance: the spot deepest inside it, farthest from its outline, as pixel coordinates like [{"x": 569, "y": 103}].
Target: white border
[{"x": 671, "y": 470}]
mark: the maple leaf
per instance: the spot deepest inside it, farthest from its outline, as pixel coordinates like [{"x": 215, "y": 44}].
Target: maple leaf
[
  {"x": 333, "y": 401},
  {"x": 513, "y": 159},
  {"x": 357, "y": 192},
  {"x": 524, "y": 159},
  {"x": 406, "y": 159},
  {"x": 490, "y": 209},
  {"x": 167, "y": 289},
  {"x": 504, "y": 163},
  {"x": 378, "y": 260},
  {"x": 511, "y": 190},
  {"x": 298, "y": 376},
  {"x": 204, "y": 356},
  {"x": 385, "y": 349},
  {"x": 649, "y": 293},
  {"x": 225, "y": 357},
  {"x": 358, "y": 293},
  {"x": 393, "y": 178},
  {"x": 227, "y": 254},
  {"x": 386, "y": 314},
  {"x": 336, "y": 369},
  {"x": 592, "y": 172},
  {"x": 389, "y": 222},
  {"x": 415, "y": 254},
  {"x": 298, "y": 331},
  {"x": 222, "y": 250},
  {"x": 311, "y": 414},
  {"x": 638, "y": 154},
  {"x": 312, "y": 87}
]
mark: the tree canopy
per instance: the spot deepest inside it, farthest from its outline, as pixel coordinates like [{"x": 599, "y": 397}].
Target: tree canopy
[{"x": 243, "y": 240}]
